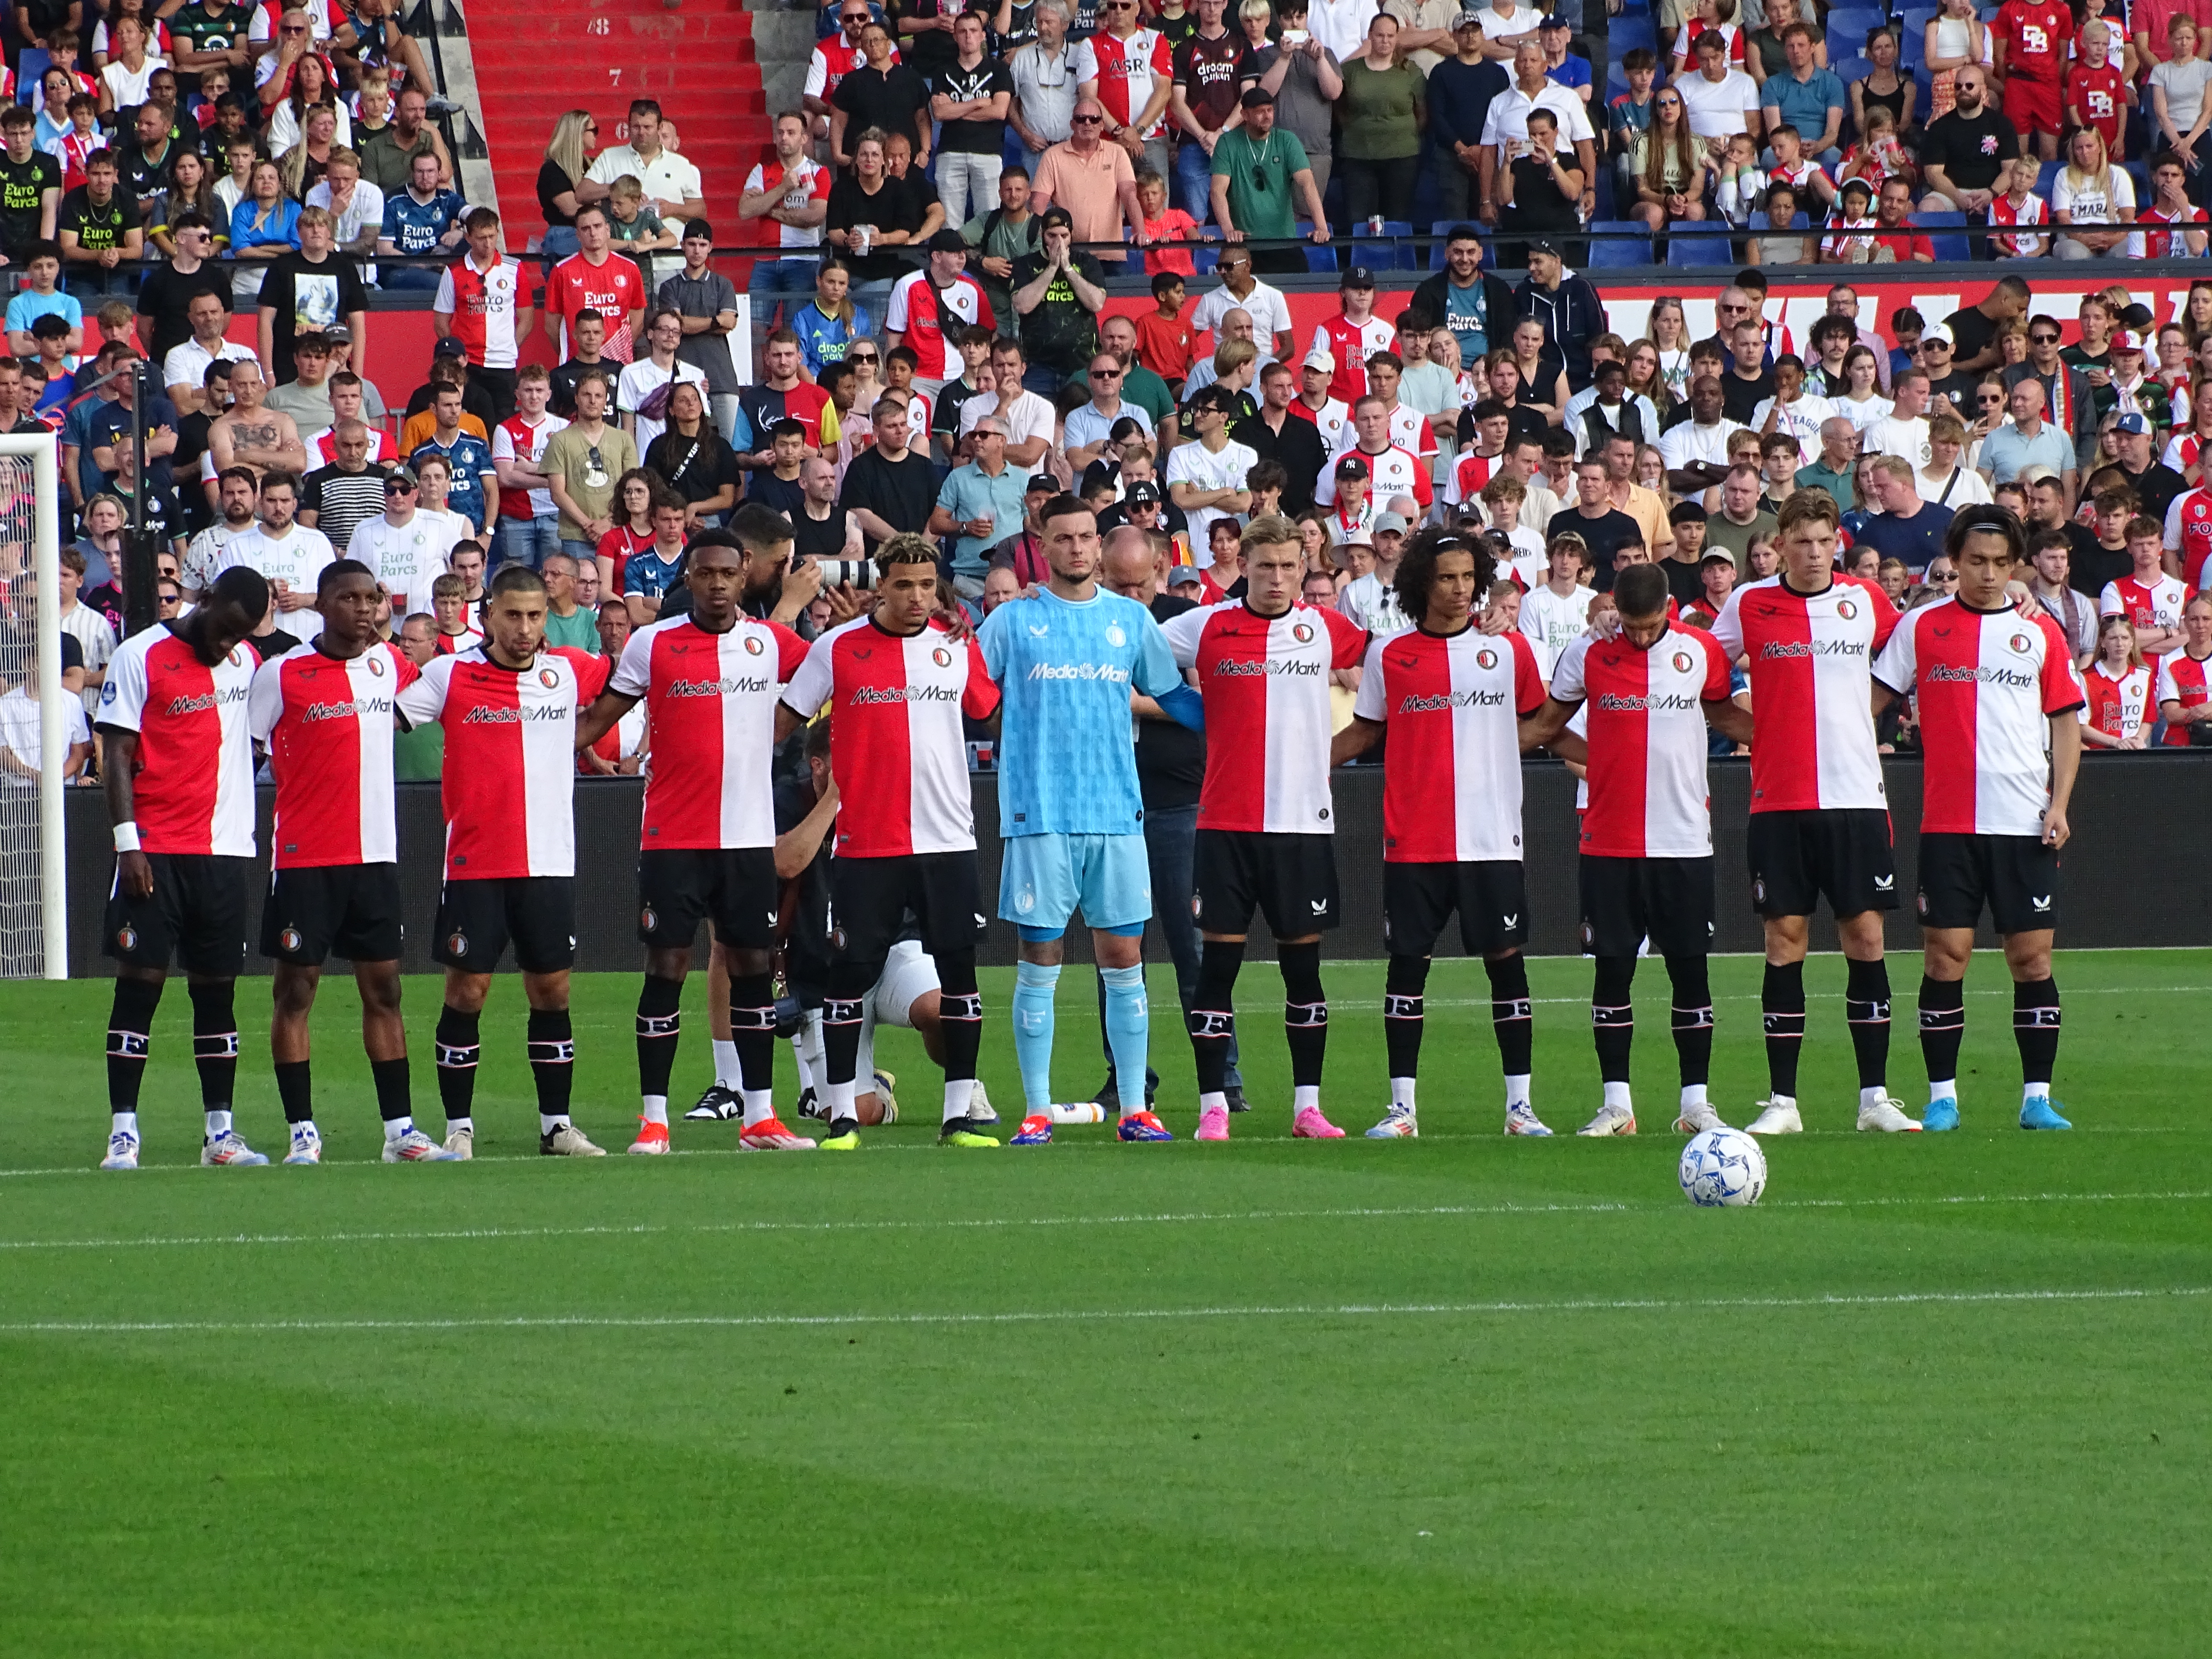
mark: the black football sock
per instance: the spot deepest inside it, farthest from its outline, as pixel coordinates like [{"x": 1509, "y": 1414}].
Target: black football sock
[
  {"x": 129, "y": 1027},
  {"x": 1510, "y": 1014},
  {"x": 960, "y": 1015},
  {"x": 752, "y": 1028},
  {"x": 1305, "y": 1012},
  {"x": 1866, "y": 1006},
  {"x": 1613, "y": 1016},
  {"x": 296, "y": 1091},
  {"x": 1404, "y": 1013},
  {"x": 1693, "y": 1018},
  {"x": 459, "y": 1050},
  {"x": 1942, "y": 1025},
  {"x": 842, "y": 1011},
  {"x": 1213, "y": 1018},
  {"x": 215, "y": 1042},
  {"x": 1781, "y": 1004},
  {"x": 552, "y": 1063},
  {"x": 394, "y": 1098},
  {"x": 659, "y": 1031},
  {"x": 2035, "y": 1029}
]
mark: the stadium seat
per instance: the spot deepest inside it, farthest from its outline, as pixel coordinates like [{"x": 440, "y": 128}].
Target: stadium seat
[
  {"x": 1759, "y": 222},
  {"x": 1948, "y": 233},
  {"x": 1628, "y": 33},
  {"x": 1632, "y": 247},
  {"x": 2043, "y": 179},
  {"x": 1320, "y": 255},
  {"x": 1205, "y": 257},
  {"x": 1701, "y": 244},
  {"x": 1402, "y": 254}
]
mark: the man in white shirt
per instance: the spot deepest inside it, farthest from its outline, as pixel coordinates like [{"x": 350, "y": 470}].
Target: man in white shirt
[
  {"x": 1505, "y": 129},
  {"x": 671, "y": 183},
  {"x": 1505, "y": 26},
  {"x": 1236, "y": 324},
  {"x": 1719, "y": 101},
  {"x": 356, "y": 204},
  {"x": 289, "y": 556},
  {"x": 1341, "y": 25},
  {"x": 1556, "y": 611},
  {"x": 407, "y": 549},
  {"x": 1241, "y": 290},
  {"x": 1206, "y": 479},
  {"x": 1029, "y": 419},
  {"x": 184, "y": 371},
  {"x": 1792, "y": 409},
  {"x": 1697, "y": 449},
  {"x": 1904, "y": 431}
]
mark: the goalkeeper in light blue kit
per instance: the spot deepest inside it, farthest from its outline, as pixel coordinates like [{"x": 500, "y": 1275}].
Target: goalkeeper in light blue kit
[{"x": 1070, "y": 815}]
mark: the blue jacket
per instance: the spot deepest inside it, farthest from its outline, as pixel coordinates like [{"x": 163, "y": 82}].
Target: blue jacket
[{"x": 1459, "y": 98}]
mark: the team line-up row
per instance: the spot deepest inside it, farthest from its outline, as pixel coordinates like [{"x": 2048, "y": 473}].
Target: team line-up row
[{"x": 874, "y": 843}]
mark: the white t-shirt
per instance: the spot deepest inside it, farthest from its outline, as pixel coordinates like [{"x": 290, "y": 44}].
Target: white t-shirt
[
  {"x": 407, "y": 558},
  {"x": 1906, "y": 440},
  {"x": 1270, "y": 313},
  {"x": 198, "y": 567},
  {"x": 21, "y": 734},
  {"x": 296, "y": 559},
  {"x": 1801, "y": 420},
  {"x": 639, "y": 380},
  {"x": 1027, "y": 417},
  {"x": 1373, "y": 604},
  {"x": 1679, "y": 445},
  {"x": 1963, "y": 487},
  {"x": 1863, "y": 414},
  {"x": 1552, "y": 622},
  {"x": 1506, "y": 126},
  {"x": 187, "y": 364},
  {"x": 1193, "y": 464},
  {"x": 1718, "y": 110},
  {"x": 2090, "y": 206}
]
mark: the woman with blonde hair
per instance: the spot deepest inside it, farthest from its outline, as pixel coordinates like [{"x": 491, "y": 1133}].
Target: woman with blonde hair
[
  {"x": 2092, "y": 202},
  {"x": 562, "y": 186},
  {"x": 1647, "y": 379},
  {"x": 305, "y": 163},
  {"x": 2118, "y": 681},
  {"x": 1668, "y": 328}
]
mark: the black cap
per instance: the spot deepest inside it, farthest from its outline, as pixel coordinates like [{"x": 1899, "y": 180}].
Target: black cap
[
  {"x": 448, "y": 347},
  {"x": 1352, "y": 467},
  {"x": 1357, "y": 277},
  {"x": 1056, "y": 215},
  {"x": 1143, "y": 493},
  {"x": 947, "y": 241},
  {"x": 1042, "y": 484},
  {"x": 1255, "y": 96},
  {"x": 1541, "y": 247},
  {"x": 696, "y": 228}
]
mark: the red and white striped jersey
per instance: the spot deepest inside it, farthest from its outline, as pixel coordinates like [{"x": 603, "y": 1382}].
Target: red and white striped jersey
[
  {"x": 195, "y": 780},
  {"x": 1685, "y": 53},
  {"x": 711, "y": 699},
  {"x": 1451, "y": 774},
  {"x": 2116, "y": 707},
  {"x": 1127, "y": 73},
  {"x": 1648, "y": 796},
  {"x": 1332, "y": 420},
  {"x": 2172, "y": 243},
  {"x": 1397, "y": 472},
  {"x": 2180, "y": 678},
  {"x": 2146, "y": 605},
  {"x": 2020, "y": 215},
  {"x": 918, "y": 309},
  {"x": 325, "y": 444},
  {"x": 1809, "y": 656},
  {"x": 2188, "y": 532},
  {"x": 2181, "y": 451},
  {"x": 897, "y": 747},
  {"x": 327, "y": 726},
  {"x": 515, "y": 440},
  {"x": 1265, "y": 680},
  {"x": 802, "y": 186},
  {"x": 833, "y": 60},
  {"x": 509, "y": 781},
  {"x": 483, "y": 304},
  {"x": 1986, "y": 683},
  {"x": 1470, "y": 476},
  {"x": 1352, "y": 344},
  {"x": 1409, "y": 431}
]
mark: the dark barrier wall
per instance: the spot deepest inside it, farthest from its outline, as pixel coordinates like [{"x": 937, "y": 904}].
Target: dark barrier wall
[{"x": 2126, "y": 807}]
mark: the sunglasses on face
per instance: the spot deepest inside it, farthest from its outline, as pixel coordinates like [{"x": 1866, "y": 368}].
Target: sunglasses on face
[
  {"x": 1105, "y": 373},
  {"x": 1088, "y": 121},
  {"x": 866, "y": 357},
  {"x": 2043, "y": 339},
  {"x": 399, "y": 487}
]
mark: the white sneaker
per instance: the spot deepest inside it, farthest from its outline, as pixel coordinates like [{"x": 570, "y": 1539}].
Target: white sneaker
[
  {"x": 980, "y": 1110},
  {"x": 122, "y": 1151},
  {"x": 415, "y": 1147},
  {"x": 885, "y": 1082},
  {"x": 568, "y": 1141},
  {"x": 229, "y": 1150},
  {"x": 1522, "y": 1121},
  {"x": 1696, "y": 1120},
  {"x": 1777, "y": 1117},
  {"x": 1399, "y": 1123},
  {"x": 1610, "y": 1121},
  {"x": 461, "y": 1142},
  {"x": 1886, "y": 1115},
  {"x": 306, "y": 1145}
]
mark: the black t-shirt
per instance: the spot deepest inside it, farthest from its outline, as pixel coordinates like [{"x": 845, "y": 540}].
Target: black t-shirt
[
  {"x": 931, "y": 50},
  {"x": 696, "y": 468},
  {"x": 98, "y": 229},
  {"x": 23, "y": 186},
  {"x": 2155, "y": 487},
  {"x": 783, "y": 495},
  {"x": 945, "y": 417},
  {"x": 1604, "y": 536},
  {"x": 1970, "y": 150},
  {"x": 822, "y": 539},
  {"x": 893, "y": 207},
  {"x": 986, "y": 79},
  {"x": 165, "y": 299},
  {"x": 1685, "y": 580},
  {"x": 1739, "y": 397},
  {"x": 1958, "y": 391},
  {"x": 310, "y": 294},
  {"x": 142, "y": 176},
  {"x": 1061, "y": 333},
  {"x": 563, "y": 382},
  {"x": 1298, "y": 447},
  {"x": 2089, "y": 566},
  {"x": 19, "y": 649},
  {"x": 1970, "y": 332},
  {"x": 1170, "y": 756},
  {"x": 552, "y": 182},
  {"x": 809, "y": 940},
  {"x": 192, "y": 444},
  {"x": 890, "y": 99},
  {"x": 901, "y": 493}
]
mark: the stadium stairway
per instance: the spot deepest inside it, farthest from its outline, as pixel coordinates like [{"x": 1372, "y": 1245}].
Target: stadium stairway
[{"x": 697, "y": 59}]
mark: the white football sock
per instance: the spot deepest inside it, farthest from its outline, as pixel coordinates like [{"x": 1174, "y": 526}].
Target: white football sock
[
  {"x": 958, "y": 1093},
  {"x": 837, "y": 1102},
  {"x": 726, "y": 1063},
  {"x": 1948, "y": 1091},
  {"x": 1616, "y": 1094},
  {"x": 1401, "y": 1092},
  {"x": 399, "y": 1129},
  {"x": 1874, "y": 1097},
  {"x": 547, "y": 1125},
  {"x": 1305, "y": 1097},
  {"x": 122, "y": 1123},
  {"x": 760, "y": 1105},
  {"x": 1213, "y": 1103},
  {"x": 656, "y": 1109},
  {"x": 1516, "y": 1092},
  {"x": 455, "y": 1125},
  {"x": 1693, "y": 1094},
  {"x": 218, "y": 1123}
]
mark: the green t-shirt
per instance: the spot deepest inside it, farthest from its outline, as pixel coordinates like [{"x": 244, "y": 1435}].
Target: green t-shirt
[
  {"x": 580, "y": 630},
  {"x": 1377, "y": 109},
  {"x": 1261, "y": 202},
  {"x": 419, "y": 755}
]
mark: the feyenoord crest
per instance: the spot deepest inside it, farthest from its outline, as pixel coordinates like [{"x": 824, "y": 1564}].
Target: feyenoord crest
[
  {"x": 375, "y": 664},
  {"x": 548, "y": 678},
  {"x": 1758, "y": 890},
  {"x": 2018, "y": 643},
  {"x": 647, "y": 920},
  {"x": 1196, "y": 902},
  {"x": 1114, "y": 636},
  {"x": 1303, "y": 633},
  {"x": 457, "y": 944},
  {"x": 126, "y": 939},
  {"x": 1682, "y": 662},
  {"x": 288, "y": 940},
  {"x": 753, "y": 647},
  {"x": 941, "y": 657},
  {"x": 1846, "y": 609},
  {"x": 1485, "y": 659}
]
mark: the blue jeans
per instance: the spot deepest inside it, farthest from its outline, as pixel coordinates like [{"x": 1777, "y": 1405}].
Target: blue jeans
[
  {"x": 1193, "y": 179},
  {"x": 1045, "y": 382},
  {"x": 558, "y": 243},
  {"x": 415, "y": 277},
  {"x": 526, "y": 542},
  {"x": 773, "y": 277},
  {"x": 1171, "y": 846},
  {"x": 584, "y": 552}
]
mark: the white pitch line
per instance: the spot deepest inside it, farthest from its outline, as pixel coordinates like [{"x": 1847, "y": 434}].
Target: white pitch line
[
  {"x": 998, "y": 1222},
  {"x": 1086, "y": 1316}
]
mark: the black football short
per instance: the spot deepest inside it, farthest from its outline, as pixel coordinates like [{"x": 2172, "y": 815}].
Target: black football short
[
  {"x": 1627, "y": 901},
  {"x": 1843, "y": 852},
  {"x": 870, "y": 900},
  {"x": 196, "y": 913},
  {"x": 733, "y": 887},
  {"x": 350, "y": 910},
  {"x": 1491, "y": 895},
  {"x": 1290, "y": 878},
  {"x": 2016, "y": 877},
  {"x": 476, "y": 918}
]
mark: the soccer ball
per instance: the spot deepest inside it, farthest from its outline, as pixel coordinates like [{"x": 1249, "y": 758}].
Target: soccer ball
[{"x": 1723, "y": 1167}]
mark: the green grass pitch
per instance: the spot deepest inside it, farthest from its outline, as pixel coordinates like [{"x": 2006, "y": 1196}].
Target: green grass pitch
[{"x": 1939, "y": 1395}]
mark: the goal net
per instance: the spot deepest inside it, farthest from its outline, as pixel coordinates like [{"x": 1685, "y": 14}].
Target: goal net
[{"x": 37, "y": 721}]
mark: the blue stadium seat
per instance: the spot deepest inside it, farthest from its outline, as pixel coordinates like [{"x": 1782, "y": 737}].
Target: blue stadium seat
[
  {"x": 1629, "y": 33},
  {"x": 1205, "y": 257},
  {"x": 1320, "y": 256},
  {"x": 1759, "y": 222},
  {"x": 1947, "y": 232},
  {"x": 1700, "y": 244},
  {"x": 2043, "y": 179},
  {"x": 1402, "y": 254},
  {"x": 1631, "y": 248},
  {"x": 1914, "y": 30}
]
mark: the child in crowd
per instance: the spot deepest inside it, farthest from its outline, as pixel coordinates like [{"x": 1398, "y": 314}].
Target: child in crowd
[
  {"x": 635, "y": 227},
  {"x": 449, "y": 603},
  {"x": 83, "y": 137},
  {"x": 43, "y": 297},
  {"x": 1163, "y": 336},
  {"x": 1168, "y": 227},
  {"x": 1741, "y": 182}
]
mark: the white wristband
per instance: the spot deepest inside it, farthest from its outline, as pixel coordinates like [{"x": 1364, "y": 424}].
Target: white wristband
[{"x": 126, "y": 837}]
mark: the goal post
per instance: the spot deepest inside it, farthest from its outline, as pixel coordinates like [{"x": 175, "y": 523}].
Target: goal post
[{"x": 33, "y": 865}]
